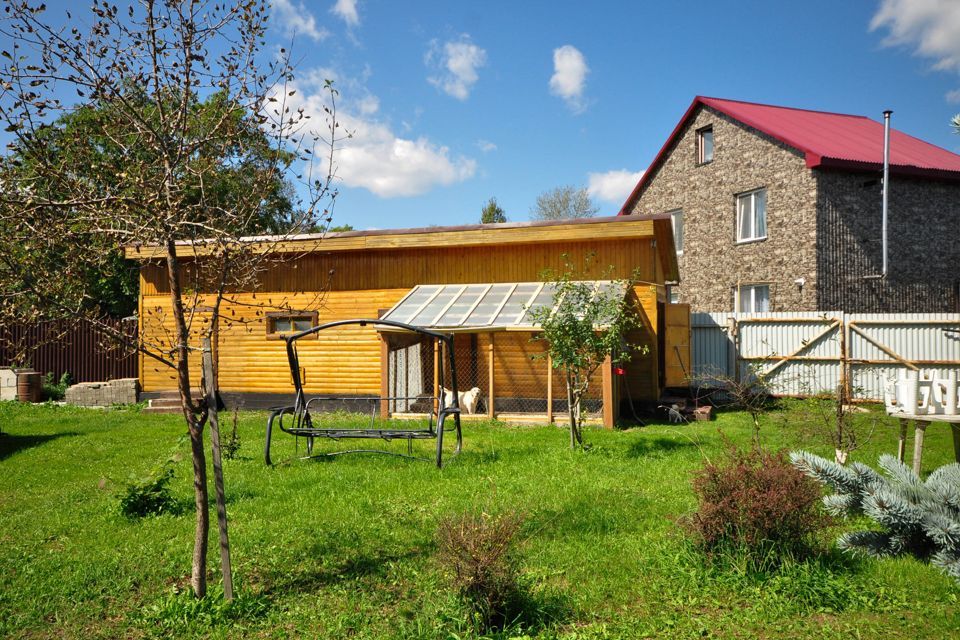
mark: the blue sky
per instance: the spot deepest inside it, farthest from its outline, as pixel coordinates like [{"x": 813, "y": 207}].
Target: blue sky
[
  {"x": 496, "y": 126},
  {"x": 452, "y": 103}
]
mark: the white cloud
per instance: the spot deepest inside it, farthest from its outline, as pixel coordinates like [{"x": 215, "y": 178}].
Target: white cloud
[
  {"x": 953, "y": 97},
  {"x": 612, "y": 186},
  {"x": 486, "y": 146},
  {"x": 297, "y": 20},
  {"x": 457, "y": 62},
  {"x": 347, "y": 11},
  {"x": 377, "y": 159},
  {"x": 930, "y": 27},
  {"x": 569, "y": 76}
]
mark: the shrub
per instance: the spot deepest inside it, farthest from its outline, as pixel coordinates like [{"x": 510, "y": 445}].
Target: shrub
[
  {"x": 918, "y": 518},
  {"x": 231, "y": 446},
  {"x": 757, "y": 501},
  {"x": 479, "y": 551},
  {"x": 55, "y": 390},
  {"x": 149, "y": 496}
]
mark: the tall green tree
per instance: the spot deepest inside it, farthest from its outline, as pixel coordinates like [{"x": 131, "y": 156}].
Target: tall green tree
[
  {"x": 86, "y": 141},
  {"x": 179, "y": 145},
  {"x": 564, "y": 202},
  {"x": 492, "y": 213}
]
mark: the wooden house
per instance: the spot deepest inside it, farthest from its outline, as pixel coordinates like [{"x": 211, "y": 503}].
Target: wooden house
[{"x": 365, "y": 274}]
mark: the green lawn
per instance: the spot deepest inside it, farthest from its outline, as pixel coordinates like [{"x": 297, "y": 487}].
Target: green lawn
[{"x": 344, "y": 547}]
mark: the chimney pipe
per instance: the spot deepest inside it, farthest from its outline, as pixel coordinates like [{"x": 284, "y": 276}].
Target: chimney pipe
[{"x": 886, "y": 190}]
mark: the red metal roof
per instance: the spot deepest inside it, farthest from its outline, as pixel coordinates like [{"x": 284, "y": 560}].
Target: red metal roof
[{"x": 827, "y": 140}]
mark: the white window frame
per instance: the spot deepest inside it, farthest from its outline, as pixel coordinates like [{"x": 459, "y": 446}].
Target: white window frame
[
  {"x": 701, "y": 149},
  {"x": 746, "y": 299},
  {"x": 752, "y": 215},
  {"x": 675, "y": 215},
  {"x": 673, "y": 294}
]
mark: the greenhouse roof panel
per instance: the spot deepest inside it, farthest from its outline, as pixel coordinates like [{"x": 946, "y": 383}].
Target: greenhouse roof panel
[{"x": 472, "y": 307}]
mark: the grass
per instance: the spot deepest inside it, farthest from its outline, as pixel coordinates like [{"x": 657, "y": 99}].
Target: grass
[{"x": 344, "y": 547}]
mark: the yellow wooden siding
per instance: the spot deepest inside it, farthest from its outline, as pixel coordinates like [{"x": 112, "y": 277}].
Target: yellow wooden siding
[
  {"x": 347, "y": 360},
  {"x": 677, "y": 345},
  {"x": 343, "y": 360},
  {"x": 405, "y": 268}
]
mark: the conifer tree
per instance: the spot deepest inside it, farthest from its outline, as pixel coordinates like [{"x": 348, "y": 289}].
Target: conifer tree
[{"x": 917, "y": 518}]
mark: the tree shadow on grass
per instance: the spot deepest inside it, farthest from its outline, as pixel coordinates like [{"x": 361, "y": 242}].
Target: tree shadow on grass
[
  {"x": 309, "y": 577},
  {"x": 12, "y": 444},
  {"x": 656, "y": 447}
]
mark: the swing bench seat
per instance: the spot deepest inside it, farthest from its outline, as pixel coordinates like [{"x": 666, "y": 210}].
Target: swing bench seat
[{"x": 304, "y": 418}]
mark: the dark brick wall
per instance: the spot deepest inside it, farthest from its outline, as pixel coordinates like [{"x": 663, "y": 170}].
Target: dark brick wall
[
  {"x": 712, "y": 262},
  {"x": 923, "y": 234}
]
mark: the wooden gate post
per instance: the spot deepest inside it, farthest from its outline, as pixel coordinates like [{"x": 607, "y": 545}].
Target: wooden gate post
[
  {"x": 549, "y": 388},
  {"x": 209, "y": 380},
  {"x": 490, "y": 395},
  {"x": 607, "y": 381}
]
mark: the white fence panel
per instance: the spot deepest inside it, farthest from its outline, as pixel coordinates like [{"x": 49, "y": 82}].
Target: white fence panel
[
  {"x": 711, "y": 347},
  {"x": 805, "y": 352},
  {"x": 883, "y": 345}
]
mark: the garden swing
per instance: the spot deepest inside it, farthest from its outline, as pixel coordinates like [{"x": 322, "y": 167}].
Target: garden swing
[{"x": 307, "y": 418}]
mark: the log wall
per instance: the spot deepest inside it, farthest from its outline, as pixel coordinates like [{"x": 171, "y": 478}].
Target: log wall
[{"x": 352, "y": 284}]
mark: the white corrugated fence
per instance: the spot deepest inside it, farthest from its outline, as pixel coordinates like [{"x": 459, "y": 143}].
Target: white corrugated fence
[{"x": 800, "y": 353}]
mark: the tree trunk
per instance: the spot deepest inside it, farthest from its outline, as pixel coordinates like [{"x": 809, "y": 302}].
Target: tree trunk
[
  {"x": 573, "y": 416},
  {"x": 198, "y": 575}
]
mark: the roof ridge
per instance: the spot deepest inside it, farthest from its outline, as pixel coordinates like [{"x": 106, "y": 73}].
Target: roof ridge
[{"x": 777, "y": 106}]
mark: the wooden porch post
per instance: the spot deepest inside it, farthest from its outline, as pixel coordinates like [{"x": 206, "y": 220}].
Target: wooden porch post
[
  {"x": 490, "y": 396},
  {"x": 549, "y": 389},
  {"x": 384, "y": 378},
  {"x": 608, "y": 409},
  {"x": 436, "y": 376}
]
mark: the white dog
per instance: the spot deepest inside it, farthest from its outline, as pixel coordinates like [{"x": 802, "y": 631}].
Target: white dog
[{"x": 468, "y": 399}]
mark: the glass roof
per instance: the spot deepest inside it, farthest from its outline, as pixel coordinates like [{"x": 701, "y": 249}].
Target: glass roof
[{"x": 488, "y": 306}]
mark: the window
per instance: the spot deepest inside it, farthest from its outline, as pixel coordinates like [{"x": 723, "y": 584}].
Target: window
[
  {"x": 676, "y": 221},
  {"x": 754, "y": 298},
  {"x": 752, "y": 216},
  {"x": 705, "y": 145},
  {"x": 281, "y": 324},
  {"x": 673, "y": 294}
]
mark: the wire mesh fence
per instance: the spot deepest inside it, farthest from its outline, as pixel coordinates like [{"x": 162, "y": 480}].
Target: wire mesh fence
[{"x": 511, "y": 368}]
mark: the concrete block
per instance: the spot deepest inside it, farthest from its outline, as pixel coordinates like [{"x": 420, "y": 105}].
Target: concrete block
[
  {"x": 103, "y": 394},
  {"x": 8, "y": 384}
]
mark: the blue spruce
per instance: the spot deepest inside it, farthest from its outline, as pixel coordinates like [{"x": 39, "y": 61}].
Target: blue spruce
[{"x": 917, "y": 518}]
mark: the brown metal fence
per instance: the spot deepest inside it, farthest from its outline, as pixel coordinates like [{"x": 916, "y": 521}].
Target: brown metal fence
[{"x": 79, "y": 349}]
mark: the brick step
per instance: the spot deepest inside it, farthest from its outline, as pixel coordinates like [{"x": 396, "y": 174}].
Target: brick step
[
  {"x": 161, "y": 410},
  {"x": 162, "y": 403},
  {"x": 166, "y": 401}
]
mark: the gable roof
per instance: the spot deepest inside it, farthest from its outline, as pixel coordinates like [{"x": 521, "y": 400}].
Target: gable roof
[
  {"x": 827, "y": 140},
  {"x": 656, "y": 227}
]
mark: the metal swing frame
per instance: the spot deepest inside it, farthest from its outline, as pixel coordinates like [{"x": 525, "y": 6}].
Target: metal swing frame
[{"x": 300, "y": 422}]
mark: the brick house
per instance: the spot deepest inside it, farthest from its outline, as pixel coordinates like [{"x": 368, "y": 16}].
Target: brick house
[{"x": 783, "y": 207}]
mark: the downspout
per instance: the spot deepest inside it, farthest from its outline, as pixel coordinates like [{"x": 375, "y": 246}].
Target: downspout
[{"x": 886, "y": 190}]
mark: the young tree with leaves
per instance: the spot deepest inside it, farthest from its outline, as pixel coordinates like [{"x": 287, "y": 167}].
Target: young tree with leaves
[
  {"x": 181, "y": 139},
  {"x": 492, "y": 213},
  {"x": 563, "y": 203},
  {"x": 586, "y": 324}
]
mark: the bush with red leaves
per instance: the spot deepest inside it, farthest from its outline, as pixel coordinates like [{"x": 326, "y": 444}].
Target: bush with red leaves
[{"x": 757, "y": 501}]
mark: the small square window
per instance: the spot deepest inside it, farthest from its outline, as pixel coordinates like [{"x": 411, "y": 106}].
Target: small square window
[
  {"x": 705, "y": 145},
  {"x": 676, "y": 222},
  {"x": 752, "y": 215},
  {"x": 283, "y": 324},
  {"x": 754, "y": 298},
  {"x": 673, "y": 294}
]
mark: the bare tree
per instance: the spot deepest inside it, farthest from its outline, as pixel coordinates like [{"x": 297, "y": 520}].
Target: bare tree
[
  {"x": 564, "y": 202},
  {"x": 182, "y": 94}
]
